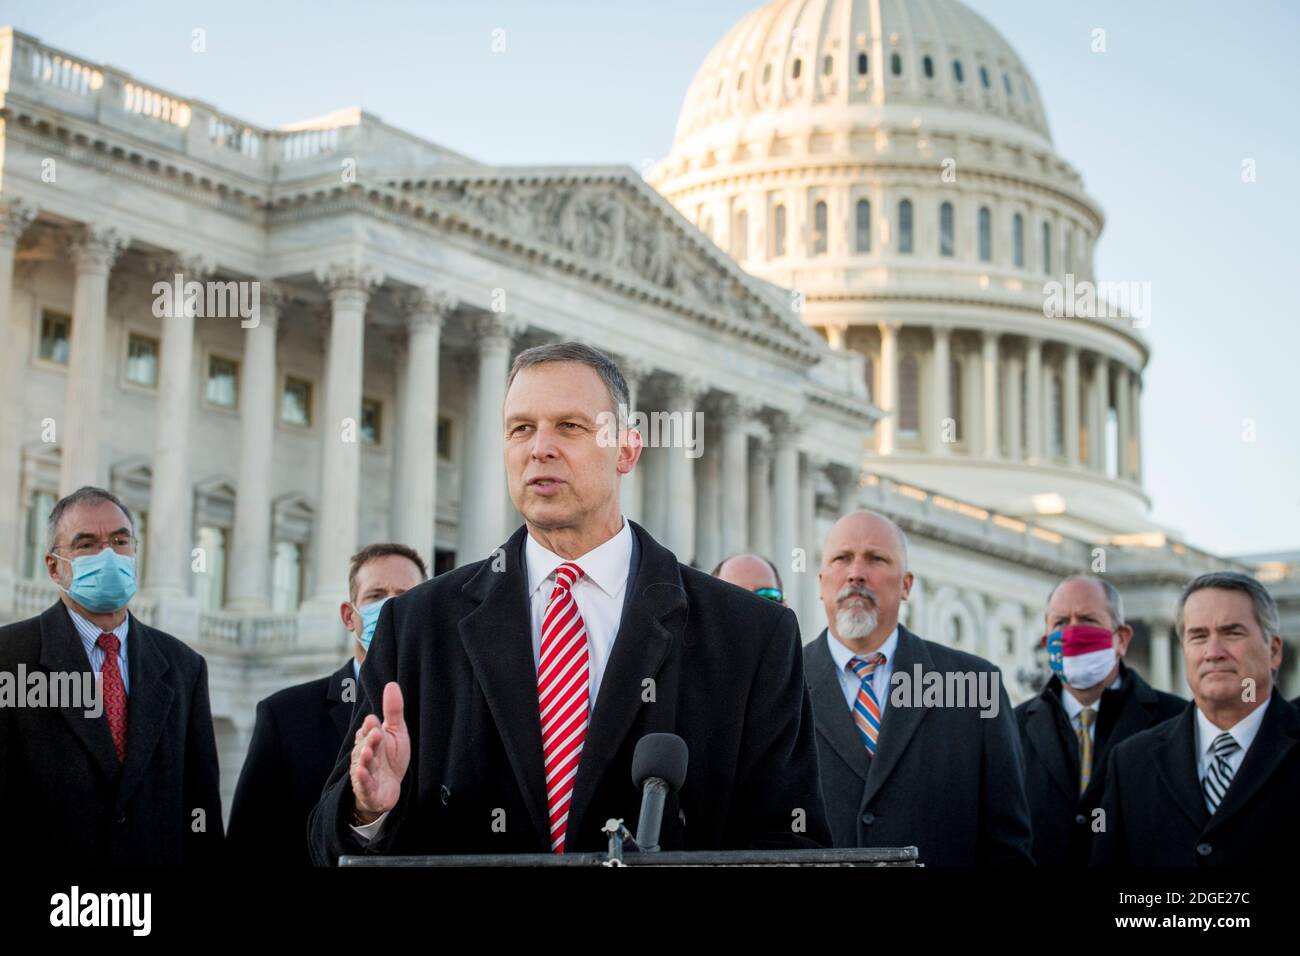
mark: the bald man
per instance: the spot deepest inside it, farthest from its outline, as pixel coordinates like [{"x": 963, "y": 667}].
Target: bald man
[
  {"x": 916, "y": 742},
  {"x": 754, "y": 573}
]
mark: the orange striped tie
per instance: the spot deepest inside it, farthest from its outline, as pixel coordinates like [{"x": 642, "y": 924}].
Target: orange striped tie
[
  {"x": 562, "y": 693},
  {"x": 866, "y": 709}
]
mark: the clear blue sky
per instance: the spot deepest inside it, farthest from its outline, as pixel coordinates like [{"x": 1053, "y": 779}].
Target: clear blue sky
[{"x": 1159, "y": 125}]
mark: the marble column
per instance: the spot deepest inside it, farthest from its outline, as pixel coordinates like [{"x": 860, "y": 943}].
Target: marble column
[
  {"x": 94, "y": 250},
  {"x": 350, "y": 288},
  {"x": 484, "y": 496},
  {"x": 734, "y": 427},
  {"x": 1034, "y": 399},
  {"x": 888, "y": 425},
  {"x": 1161, "y": 652},
  {"x": 683, "y": 397},
  {"x": 250, "y": 556},
  {"x": 1124, "y": 464},
  {"x": 15, "y": 217},
  {"x": 413, "y": 516},
  {"x": 940, "y": 399},
  {"x": 1070, "y": 401},
  {"x": 1135, "y": 410},
  {"x": 785, "y": 504},
  {"x": 1100, "y": 413},
  {"x": 1012, "y": 401},
  {"x": 171, "y": 492},
  {"x": 760, "y": 497},
  {"x": 989, "y": 393}
]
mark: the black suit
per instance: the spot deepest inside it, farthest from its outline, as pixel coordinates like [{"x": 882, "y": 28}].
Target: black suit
[
  {"x": 1155, "y": 809},
  {"x": 295, "y": 745},
  {"x": 63, "y": 793},
  {"x": 727, "y": 677},
  {"x": 944, "y": 780},
  {"x": 1062, "y": 819}
]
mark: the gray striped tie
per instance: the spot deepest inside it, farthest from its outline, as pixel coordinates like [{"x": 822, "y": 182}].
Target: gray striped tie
[{"x": 1219, "y": 775}]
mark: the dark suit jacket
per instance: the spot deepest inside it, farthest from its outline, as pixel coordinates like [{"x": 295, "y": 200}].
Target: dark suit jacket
[
  {"x": 63, "y": 791},
  {"x": 295, "y": 745},
  {"x": 726, "y": 676},
  {"x": 1156, "y": 813},
  {"x": 944, "y": 779},
  {"x": 1062, "y": 819}
]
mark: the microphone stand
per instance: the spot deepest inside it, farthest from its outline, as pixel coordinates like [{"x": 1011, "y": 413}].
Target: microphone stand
[{"x": 619, "y": 837}]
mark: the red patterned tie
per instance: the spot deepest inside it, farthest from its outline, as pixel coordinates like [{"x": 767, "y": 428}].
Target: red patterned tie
[
  {"x": 562, "y": 695},
  {"x": 114, "y": 693}
]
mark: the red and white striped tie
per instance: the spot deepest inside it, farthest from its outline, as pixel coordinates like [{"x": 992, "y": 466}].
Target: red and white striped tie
[{"x": 562, "y": 694}]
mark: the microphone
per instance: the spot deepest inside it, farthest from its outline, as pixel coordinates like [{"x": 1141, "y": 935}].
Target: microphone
[{"x": 658, "y": 769}]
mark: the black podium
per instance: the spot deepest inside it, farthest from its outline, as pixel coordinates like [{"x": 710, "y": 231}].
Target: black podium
[{"x": 876, "y": 856}]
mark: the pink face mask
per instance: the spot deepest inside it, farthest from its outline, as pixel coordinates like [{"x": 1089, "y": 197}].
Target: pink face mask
[{"x": 1081, "y": 655}]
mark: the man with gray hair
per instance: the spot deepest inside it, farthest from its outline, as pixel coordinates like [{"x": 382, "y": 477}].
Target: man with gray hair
[
  {"x": 135, "y": 783},
  {"x": 916, "y": 740},
  {"x": 1217, "y": 785},
  {"x": 1092, "y": 702}
]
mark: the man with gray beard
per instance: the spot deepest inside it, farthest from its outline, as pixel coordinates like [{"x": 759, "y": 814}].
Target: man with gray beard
[{"x": 916, "y": 742}]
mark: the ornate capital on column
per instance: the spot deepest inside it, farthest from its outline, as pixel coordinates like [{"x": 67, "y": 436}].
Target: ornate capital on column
[
  {"x": 635, "y": 371},
  {"x": 495, "y": 328},
  {"x": 424, "y": 307},
  {"x": 190, "y": 266},
  {"x": 95, "y": 248},
  {"x": 687, "y": 390},
  {"x": 785, "y": 428},
  {"x": 15, "y": 217},
  {"x": 349, "y": 279}
]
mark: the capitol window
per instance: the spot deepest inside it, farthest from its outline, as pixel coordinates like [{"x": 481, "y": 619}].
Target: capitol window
[
  {"x": 909, "y": 413},
  {"x": 927, "y": 66},
  {"x": 56, "y": 330},
  {"x": 767, "y": 72},
  {"x": 986, "y": 234},
  {"x": 862, "y": 238},
  {"x": 1018, "y": 240},
  {"x": 984, "y": 77},
  {"x": 863, "y": 62},
  {"x": 946, "y": 241},
  {"x": 295, "y": 402},
  {"x": 905, "y": 226},
  {"x": 957, "y": 73},
  {"x": 1047, "y": 248},
  {"x": 223, "y": 382},
  {"x": 444, "y": 438},
  {"x": 778, "y": 232},
  {"x": 828, "y": 65},
  {"x": 796, "y": 69},
  {"x": 142, "y": 360},
  {"x": 896, "y": 64},
  {"x": 819, "y": 229},
  {"x": 1006, "y": 84},
  {"x": 371, "y": 422}
]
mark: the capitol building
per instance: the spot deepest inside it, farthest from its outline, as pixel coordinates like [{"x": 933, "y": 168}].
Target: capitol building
[{"x": 840, "y": 264}]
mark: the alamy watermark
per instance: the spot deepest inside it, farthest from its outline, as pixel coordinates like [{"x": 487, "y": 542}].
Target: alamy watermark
[
  {"x": 658, "y": 429},
  {"x": 1084, "y": 299},
  {"x": 209, "y": 300},
  {"x": 82, "y": 690}
]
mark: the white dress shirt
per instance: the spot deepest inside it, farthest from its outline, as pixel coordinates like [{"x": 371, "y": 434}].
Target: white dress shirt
[
  {"x": 1243, "y": 731},
  {"x": 90, "y": 632},
  {"x": 850, "y": 682},
  {"x": 599, "y": 596},
  {"x": 1073, "y": 708}
]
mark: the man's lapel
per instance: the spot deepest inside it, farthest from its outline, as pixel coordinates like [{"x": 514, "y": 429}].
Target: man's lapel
[
  {"x": 900, "y": 722},
  {"x": 497, "y": 636},
  {"x": 1044, "y": 739},
  {"x": 654, "y": 616},
  {"x": 830, "y": 711},
  {"x": 63, "y": 653},
  {"x": 340, "y": 710},
  {"x": 1278, "y": 733},
  {"x": 147, "y": 706},
  {"x": 1174, "y": 758}
]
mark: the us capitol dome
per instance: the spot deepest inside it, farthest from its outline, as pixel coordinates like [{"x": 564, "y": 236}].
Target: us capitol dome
[{"x": 890, "y": 163}]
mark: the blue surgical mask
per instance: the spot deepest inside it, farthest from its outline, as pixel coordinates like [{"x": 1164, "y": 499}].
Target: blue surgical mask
[
  {"x": 102, "y": 582},
  {"x": 369, "y": 618}
]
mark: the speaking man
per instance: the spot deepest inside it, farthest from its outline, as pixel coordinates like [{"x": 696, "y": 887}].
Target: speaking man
[
  {"x": 1091, "y": 703},
  {"x": 514, "y": 690},
  {"x": 900, "y": 764},
  {"x": 1218, "y": 784},
  {"x": 300, "y": 729},
  {"x": 130, "y": 779}
]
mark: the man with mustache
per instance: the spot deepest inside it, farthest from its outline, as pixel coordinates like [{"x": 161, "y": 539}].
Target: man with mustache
[
  {"x": 945, "y": 778},
  {"x": 1217, "y": 785}
]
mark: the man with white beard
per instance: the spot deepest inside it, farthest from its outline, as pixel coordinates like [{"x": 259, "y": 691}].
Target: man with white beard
[{"x": 916, "y": 741}]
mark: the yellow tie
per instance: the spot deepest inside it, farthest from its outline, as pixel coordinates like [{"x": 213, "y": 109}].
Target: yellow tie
[{"x": 1086, "y": 717}]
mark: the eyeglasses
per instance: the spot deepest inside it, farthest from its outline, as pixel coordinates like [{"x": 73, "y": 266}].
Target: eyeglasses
[
  {"x": 121, "y": 543},
  {"x": 772, "y": 594}
]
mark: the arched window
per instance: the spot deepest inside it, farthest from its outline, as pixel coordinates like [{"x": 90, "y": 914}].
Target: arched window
[
  {"x": 905, "y": 226},
  {"x": 1006, "y": 84},
  {"x": 796, "y": 69},
  {"x": 896, "y": 64},
  {"x": 1018, "y": 240},
  {"x": 957, "y": 73},
  {"x": 740, "y": 236},
  {"x": 862, "y": 64},
  {"x": 984, "y": 77},
  {"x": 1047, "y": 248},
  {"x": 946, "y": 242},
  {"x": 862, "y": 227},
  {"x": 1069, "y": 250},
  {"x": 909, "y": 414},
  {"x": 778, "y": 231},
  {"x": 828, "y": 65},
  {"x": 986, "y": 234},
  {"x": 927, "y": 66},
  {"x": 819, "y": 229}
]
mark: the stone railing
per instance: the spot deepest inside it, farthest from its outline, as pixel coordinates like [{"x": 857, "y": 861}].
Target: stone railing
[{"x": 242, "y": 633}]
